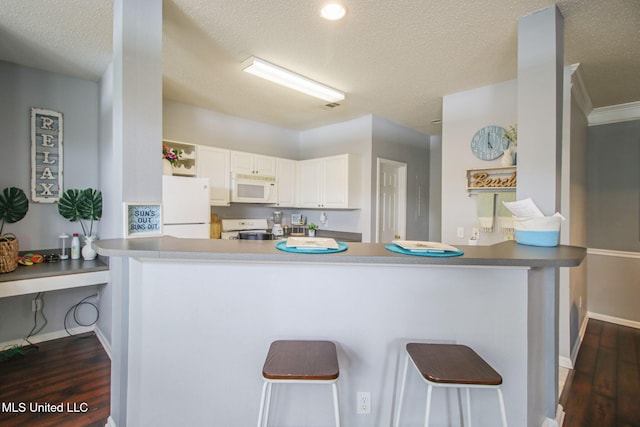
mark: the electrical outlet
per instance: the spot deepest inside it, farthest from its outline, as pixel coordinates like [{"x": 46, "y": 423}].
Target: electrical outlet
[
  {"x": 364, "y": 402},
  {"x": 475, "y": 233},
  {"x": 460, "y": 232},
  {"x": 36, "y": 304}
]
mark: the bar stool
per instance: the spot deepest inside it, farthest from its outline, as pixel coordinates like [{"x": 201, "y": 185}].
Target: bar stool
[
  {"x": 296, "y": 361},
  {"x": 450, "y": 365}
]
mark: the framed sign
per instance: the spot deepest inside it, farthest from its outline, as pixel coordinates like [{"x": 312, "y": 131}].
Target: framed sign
[
  {"x": 46, "y": 155},
  {"x": 142, "y": 219},
  {"x": 492, "y": 179}
]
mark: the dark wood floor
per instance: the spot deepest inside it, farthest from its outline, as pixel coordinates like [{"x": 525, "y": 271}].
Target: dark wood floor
[
  {"x": 73, "y": 371},
  {"x": 604, "y": 388}
]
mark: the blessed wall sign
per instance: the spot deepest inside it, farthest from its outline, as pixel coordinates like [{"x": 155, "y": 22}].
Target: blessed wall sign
[{"x": 46, "y": 155}]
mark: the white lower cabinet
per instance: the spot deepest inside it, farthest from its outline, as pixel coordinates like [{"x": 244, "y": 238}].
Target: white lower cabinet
[
  {"x": 213, "y": 163},
  {"x": 328, "y": 182}
]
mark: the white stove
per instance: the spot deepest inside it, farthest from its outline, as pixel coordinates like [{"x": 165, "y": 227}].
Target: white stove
[{"x": 253, "y": 229}]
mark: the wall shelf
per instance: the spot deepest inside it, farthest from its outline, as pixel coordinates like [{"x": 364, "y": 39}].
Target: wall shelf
[
  {"x": 186, "y": 165},
  {"x": 491, "y": 179}
]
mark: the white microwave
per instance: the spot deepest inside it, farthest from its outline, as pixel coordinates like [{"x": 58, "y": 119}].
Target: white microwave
[{"x": 247, "y": 188}]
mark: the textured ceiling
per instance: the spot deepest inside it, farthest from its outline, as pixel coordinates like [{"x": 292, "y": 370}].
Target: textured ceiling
[{"x": 395, "y": 59}]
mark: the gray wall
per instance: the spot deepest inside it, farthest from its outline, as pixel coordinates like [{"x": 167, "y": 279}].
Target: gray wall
[
  {"x": 21, "y": 89},
  {"x": 573, "y": 281},
  {"x": 196, "y": 125},
  {"x": 614, "y": 186},
  {"x": 394, "y": 142},
  {"x": 435, "y": 189},
  {"x": 614, "y": 222}
]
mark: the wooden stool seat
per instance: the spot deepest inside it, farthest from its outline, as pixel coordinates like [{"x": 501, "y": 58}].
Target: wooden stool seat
[
  {"x": 450, "y": 365},
  {"x": 453, "y": 364},
  {"x": 299, "y": 361}
]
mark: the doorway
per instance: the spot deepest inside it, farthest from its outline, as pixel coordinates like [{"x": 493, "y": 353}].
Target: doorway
[{"x": 391, "y": 200}]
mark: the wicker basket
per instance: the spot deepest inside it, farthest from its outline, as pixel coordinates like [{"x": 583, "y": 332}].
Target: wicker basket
[{"x": 8, "y": 253}]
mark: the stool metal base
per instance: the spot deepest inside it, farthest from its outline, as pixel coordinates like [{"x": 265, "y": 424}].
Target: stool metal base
[
  {"x": 265, "y": 402},
  {"x": 303, "y": 362},
  {"x": 431, "y": 385}
]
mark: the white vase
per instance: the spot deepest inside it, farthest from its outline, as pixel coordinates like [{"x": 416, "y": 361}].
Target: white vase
[
  {"x": 88, "y": 253},
  {"x": 167, "y": 169},
  {"x": 508, "y": 158},
  {"x": 312, "y": 233}
]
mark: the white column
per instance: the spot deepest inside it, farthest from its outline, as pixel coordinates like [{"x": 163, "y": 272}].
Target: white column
[
  {"x": 540, "y": 81},
  {"x": 137, "y": 97},
  {"x": 540, "y": 98},
  {"x": 136, "y": 167}
]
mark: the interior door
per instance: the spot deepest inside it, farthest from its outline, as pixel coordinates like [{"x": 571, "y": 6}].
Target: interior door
[{"x": 391, "y": 201}]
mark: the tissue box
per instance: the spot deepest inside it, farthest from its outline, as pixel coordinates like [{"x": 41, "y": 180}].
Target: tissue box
[{"x": 542, "y": 231}]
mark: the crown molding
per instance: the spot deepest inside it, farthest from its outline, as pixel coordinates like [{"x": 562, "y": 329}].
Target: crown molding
[
  {"x": 579, "y": 90},
  {"x": 615, "y": 114}
]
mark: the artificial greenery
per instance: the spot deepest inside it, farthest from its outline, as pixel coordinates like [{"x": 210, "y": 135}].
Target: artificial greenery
[
  {"x": 81, "y": 205},
  {"x": 511, "y": 135},
  {"x": 313, "y": 226},
  {"x": 13, "y": 206}
]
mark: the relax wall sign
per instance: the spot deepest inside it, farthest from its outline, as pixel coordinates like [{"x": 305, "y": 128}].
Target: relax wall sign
[{"x": 46, "y": 155}]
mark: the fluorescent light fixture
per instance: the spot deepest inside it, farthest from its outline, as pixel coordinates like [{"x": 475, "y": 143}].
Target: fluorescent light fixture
[
  {"x": 261, "y": 68},
  {"x": 333, "y": 11}
]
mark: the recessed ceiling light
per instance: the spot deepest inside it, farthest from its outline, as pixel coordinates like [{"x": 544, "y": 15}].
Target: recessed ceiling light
[{"x": 333, "y": 11}]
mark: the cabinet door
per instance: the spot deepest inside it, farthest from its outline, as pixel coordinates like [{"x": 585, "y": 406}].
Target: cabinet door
[
  {"x": 335, "y": 182},
  {"x": 213, "y": 163},
  {"x": 264, "y": 165},
  {"x": 286, "y": 179},
  {"x": 242, "y": 162},
  {"x": 309, "y": 180}
]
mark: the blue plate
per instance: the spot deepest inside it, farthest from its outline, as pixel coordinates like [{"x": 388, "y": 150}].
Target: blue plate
[
  {"x": 283, "y": 247},
  {"x": 392, "y": 247}
]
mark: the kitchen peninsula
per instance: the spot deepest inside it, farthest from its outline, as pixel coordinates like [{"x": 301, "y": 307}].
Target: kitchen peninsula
[{"x": 200, "y": 314}]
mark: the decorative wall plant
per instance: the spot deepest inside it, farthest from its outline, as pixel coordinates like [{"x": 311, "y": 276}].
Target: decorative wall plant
[
  {"x": 14, "y": 206},
  {"x": 81, "y": 205}
]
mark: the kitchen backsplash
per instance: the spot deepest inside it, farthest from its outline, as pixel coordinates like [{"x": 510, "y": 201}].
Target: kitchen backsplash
[{"x": 336, "y": 220}]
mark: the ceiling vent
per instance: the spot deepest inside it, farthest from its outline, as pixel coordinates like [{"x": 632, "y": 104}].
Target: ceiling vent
[{"x": 332, "y": 105}]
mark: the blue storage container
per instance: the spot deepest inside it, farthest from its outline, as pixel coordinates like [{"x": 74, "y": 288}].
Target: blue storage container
[{"x": 542, "y": 231}]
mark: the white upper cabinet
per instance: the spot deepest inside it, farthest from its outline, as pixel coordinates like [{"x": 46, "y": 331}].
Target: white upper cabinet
[
  {"x": 213, "y": 163},
  {"x": 309, "y": 177},
  {"x": 252, "y": 164},
  {"x": 328, "y": 182},
  {"x": 286, "y": 182}
]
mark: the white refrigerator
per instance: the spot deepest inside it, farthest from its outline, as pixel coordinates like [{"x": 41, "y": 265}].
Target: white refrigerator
[{"x": 185, "y": 207}]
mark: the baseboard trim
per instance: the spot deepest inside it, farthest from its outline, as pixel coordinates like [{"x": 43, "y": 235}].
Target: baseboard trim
[
  {"x": 550, "y": 422},
  {"x": 616, "y": 320},
  {"x": 565, "y": 362},
  {"x": 48, "y": 336},
  {"x": 105, "y": 343},
  {"x": 560, "y": 414}
]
